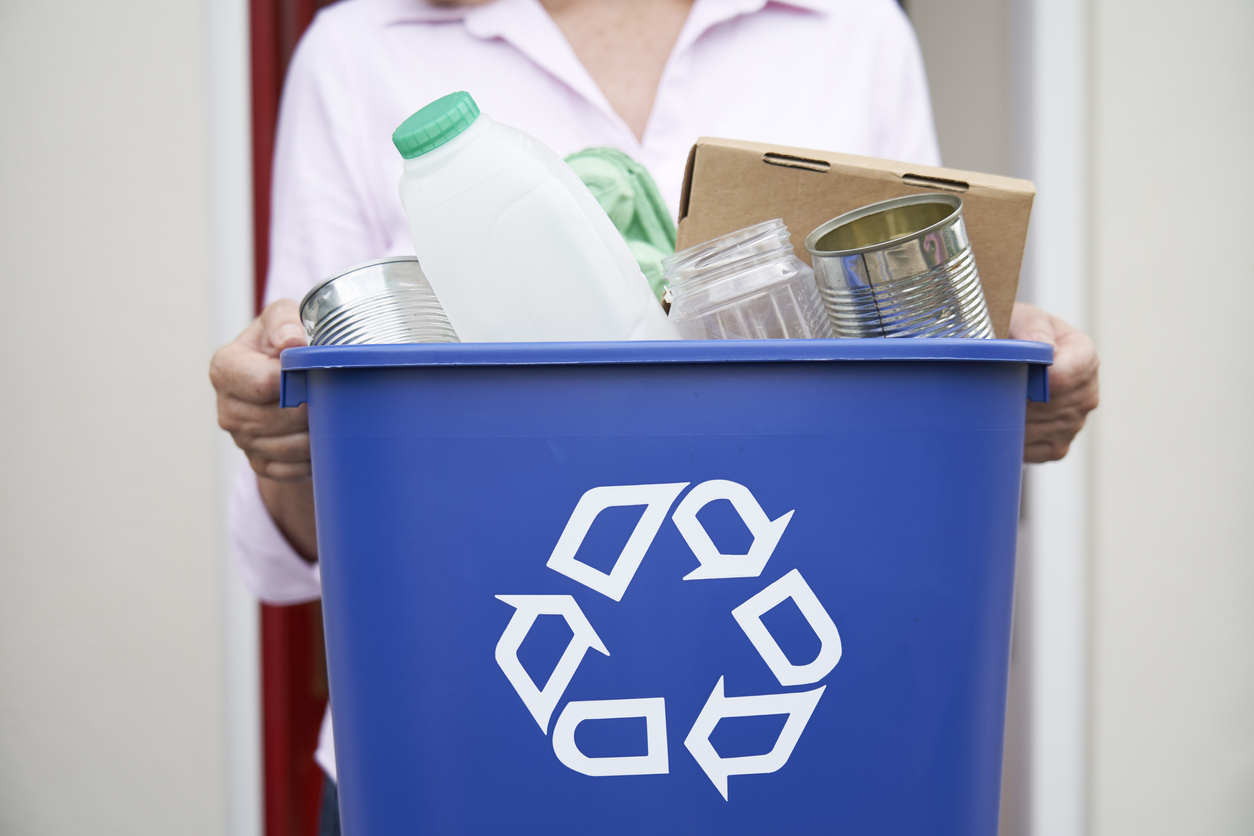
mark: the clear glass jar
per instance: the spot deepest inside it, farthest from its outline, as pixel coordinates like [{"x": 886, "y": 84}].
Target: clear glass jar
[{"x": 748, "y": 285}]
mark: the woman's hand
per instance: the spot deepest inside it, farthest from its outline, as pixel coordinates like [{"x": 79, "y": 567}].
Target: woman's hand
[
  {"x": 245, "y": 373},
  {"x": 1073, "y": 388}
]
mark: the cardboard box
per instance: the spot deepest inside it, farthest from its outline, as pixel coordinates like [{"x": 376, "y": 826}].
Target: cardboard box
[{"x": 730, "y": 185}]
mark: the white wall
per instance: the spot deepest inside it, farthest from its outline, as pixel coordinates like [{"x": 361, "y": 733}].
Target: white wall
[
  {"x": 111, "y": 684},
  {"x": 967, "y": 51},
  {"x": 1172, "y": 746}
]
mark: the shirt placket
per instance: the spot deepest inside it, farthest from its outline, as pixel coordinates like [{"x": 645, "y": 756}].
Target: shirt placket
[
  {"x": 527, "y": 27},
  {"x": 666, "y": 124}
]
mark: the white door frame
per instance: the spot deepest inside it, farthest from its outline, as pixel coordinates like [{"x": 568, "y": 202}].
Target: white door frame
[
  {"x": 1050, "y": 42},
  {"x": 231, "y": 218}
]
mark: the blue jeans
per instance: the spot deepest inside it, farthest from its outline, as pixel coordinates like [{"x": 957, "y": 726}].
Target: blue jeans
[{"x": 329, "y": 816}]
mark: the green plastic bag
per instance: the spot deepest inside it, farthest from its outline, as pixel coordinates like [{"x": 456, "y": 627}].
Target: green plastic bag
[{"x": 631, "y": 198}]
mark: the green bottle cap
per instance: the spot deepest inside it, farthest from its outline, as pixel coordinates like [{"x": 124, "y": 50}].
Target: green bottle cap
[{"x": 435, "y": 124}]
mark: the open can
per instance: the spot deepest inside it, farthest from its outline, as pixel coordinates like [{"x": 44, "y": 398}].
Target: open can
[
  {"x": 900, "y": 268},
  {"x": 388, "y": 301}
]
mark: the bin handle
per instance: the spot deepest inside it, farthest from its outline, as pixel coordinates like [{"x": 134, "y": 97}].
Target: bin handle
[
  {"x": 293, "y": 389},
  {"x": 1038, "y": 384}
]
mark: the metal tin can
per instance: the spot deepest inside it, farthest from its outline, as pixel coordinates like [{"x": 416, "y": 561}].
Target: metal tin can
[
  {"x": 380, "y": 302},
  {"x": 900, "y": 268}
]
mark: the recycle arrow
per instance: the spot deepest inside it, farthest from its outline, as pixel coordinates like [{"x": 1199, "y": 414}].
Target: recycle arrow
[
  {"x": 798, "y": 706},
  {"x": 657, "y": 500},
  {"x": 714, "y": 564},
  {"x": 527, "y": 608}
]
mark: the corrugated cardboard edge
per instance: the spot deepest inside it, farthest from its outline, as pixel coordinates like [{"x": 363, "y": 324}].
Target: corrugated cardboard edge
[{"x": 729, "y": 184}]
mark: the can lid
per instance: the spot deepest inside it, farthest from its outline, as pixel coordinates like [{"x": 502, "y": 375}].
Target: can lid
[{"x": 436, "y": 124}]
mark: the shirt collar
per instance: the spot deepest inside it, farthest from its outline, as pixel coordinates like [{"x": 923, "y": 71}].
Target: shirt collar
[
  {"x": 526, "y": 25},
  {"x": 418, "y": 11},
  {"x": 706, "y": 14}
]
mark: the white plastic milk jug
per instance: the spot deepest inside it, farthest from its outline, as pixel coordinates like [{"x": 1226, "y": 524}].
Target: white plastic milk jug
[{"x": 515, "y": 246}]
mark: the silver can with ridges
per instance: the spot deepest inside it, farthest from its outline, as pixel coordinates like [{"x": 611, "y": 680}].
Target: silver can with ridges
[
  {"x": 900, "y": 268},
  {"x": 387, "y": 301}
]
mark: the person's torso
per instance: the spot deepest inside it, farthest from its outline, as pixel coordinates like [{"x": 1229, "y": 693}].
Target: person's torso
[{"x": 780, "y": 75}]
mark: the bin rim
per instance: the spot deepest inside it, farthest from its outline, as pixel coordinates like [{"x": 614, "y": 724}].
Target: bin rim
[{"x": 877, "y": 349}]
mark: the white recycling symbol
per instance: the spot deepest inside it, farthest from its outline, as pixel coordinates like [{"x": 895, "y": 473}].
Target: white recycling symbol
[{"x": 799, "y": 706}]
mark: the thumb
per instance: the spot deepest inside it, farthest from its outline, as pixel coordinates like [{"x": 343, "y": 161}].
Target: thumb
[
  {"x": 1028, "y": 322},
  {"x": 283, "y": 328}
]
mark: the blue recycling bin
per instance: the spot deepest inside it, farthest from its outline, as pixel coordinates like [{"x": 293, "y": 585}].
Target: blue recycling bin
[{"x": 668, "y": 588}]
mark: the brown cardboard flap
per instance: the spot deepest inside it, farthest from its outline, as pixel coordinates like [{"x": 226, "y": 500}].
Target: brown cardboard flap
[{"x": 730, "y": 185}]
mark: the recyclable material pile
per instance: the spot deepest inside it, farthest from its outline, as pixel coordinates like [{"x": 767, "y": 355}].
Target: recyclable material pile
[{"x": 513, "y": 247}]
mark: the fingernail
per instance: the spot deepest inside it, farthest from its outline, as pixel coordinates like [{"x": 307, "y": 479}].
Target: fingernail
[{"x": 289, "y": 333}]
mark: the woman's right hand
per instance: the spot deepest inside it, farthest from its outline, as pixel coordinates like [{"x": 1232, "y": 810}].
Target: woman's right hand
[{"x": 245, "y": 374}]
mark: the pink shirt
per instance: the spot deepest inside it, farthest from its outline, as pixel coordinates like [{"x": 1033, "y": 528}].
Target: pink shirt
[{"x": 838, "y": 75}]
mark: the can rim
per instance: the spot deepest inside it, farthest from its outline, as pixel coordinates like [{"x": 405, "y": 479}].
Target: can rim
[
  {"x": 313, "y": 291},
  {"x": 875, "y": 208}
]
